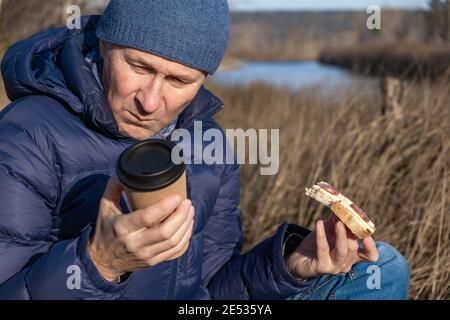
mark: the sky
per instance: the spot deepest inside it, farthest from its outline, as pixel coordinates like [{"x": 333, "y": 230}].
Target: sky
[{"x": 323, "y": 4}]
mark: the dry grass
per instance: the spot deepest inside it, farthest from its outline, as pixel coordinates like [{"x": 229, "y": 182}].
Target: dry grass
[
  {"x": 20, "y": 19},
  {"x": 397, "y": 170}
]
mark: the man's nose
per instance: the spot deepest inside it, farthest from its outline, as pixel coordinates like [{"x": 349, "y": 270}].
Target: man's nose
[{"x": 150, "y": 96}]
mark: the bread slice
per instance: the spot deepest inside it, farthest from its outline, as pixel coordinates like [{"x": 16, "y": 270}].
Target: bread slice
[{"x": 349, "y": 213}]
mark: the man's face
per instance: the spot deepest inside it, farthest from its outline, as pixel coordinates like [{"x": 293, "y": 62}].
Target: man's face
[{"x": 146, "y": 92}]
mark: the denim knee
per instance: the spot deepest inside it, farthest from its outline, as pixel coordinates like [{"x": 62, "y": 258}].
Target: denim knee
[{"x": 394, "y": 269}]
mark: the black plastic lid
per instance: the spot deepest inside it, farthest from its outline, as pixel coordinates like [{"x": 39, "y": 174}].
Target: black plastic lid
[{"x": 148, "y": 166}]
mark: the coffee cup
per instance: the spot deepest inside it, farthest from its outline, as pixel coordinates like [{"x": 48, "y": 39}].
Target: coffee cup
[{"x": 148, "y": 174}]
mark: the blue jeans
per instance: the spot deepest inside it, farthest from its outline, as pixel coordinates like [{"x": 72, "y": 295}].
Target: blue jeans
[{"x": 388, "y": 278}]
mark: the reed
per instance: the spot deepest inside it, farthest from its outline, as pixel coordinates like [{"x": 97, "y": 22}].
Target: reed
[{"x": 398, "y": 170}]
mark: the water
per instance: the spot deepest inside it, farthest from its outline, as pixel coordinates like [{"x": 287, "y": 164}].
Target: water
[{"x": 293, "y": 75}]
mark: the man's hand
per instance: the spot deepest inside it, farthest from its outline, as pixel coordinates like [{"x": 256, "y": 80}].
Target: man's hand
[
  {"x": 129, "y": 242},
  {"x": 330, "y": 249}
]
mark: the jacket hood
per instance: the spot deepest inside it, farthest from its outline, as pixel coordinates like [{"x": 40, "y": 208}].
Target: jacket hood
[{"x": 52, "y": 63}]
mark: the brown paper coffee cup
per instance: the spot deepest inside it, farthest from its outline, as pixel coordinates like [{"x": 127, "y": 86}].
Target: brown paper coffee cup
[
  {"x": 148, "y": 174},
  {"x": 140, "y": 200}
]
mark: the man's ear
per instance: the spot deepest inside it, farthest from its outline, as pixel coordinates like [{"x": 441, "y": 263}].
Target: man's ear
[{"x": 206, "y": 74}]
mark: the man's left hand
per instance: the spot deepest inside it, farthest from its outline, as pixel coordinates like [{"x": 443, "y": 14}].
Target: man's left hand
[{"x": 330, "y": 249}]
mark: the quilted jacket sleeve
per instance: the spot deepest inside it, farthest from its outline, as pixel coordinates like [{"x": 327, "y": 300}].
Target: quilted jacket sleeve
[
  {"x": 33, "y": 265},
  {"x": 258, "y": 274}
]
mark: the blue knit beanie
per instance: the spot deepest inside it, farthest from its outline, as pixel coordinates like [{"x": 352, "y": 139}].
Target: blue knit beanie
[{"x": 192, "y": 32}]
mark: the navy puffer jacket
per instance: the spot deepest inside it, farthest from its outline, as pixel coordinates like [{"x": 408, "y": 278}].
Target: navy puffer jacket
[{"x": 58, "y": 146}]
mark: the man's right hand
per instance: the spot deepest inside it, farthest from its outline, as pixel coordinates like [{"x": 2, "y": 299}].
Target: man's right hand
[{"x": 130, "y": 242}]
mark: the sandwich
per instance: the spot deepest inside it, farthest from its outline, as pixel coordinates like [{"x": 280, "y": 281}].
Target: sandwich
[{"x": 349, "y": 213}]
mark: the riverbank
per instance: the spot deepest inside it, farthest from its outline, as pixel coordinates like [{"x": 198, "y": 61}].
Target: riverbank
[
  {"x": 230, "y": 63},
  {"x": 402, "y": 60},
  {"x": 304, "y": 35}
]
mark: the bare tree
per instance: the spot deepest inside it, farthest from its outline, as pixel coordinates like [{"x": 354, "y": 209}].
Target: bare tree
[{"x": 438, "y": 20}]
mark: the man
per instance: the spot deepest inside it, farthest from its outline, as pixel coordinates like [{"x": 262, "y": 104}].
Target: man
[{"x": 80, "y": 97}]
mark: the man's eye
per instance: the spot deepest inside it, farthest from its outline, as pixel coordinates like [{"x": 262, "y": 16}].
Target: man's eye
[
  {"x": 178, "y": 81},
  {"x": 139, "y": 68}
]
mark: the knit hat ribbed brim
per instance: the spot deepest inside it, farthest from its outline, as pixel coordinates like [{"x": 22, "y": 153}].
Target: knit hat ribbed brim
[{"x": 194, "y": 33}]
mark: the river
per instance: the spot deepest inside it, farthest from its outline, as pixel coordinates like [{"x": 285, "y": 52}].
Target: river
[{"x": 293, "y": 75}]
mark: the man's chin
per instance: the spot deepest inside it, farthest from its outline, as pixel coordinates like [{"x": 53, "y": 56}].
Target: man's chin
[{"x": 136, "y": 132}]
